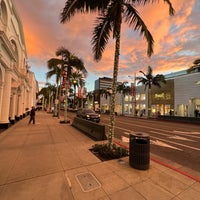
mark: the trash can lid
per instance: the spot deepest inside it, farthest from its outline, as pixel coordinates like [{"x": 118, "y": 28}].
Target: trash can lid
[{"x": 140, "y": 135}]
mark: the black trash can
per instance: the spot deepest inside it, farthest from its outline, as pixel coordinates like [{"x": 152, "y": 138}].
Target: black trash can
[{"x": 139, "y": 151}]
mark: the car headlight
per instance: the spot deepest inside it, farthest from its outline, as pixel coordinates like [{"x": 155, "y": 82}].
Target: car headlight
[
  {"x": 87, "y": 116},
  {"x": 99, "y": 115}
]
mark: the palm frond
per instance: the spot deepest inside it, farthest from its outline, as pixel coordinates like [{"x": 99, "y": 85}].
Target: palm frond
[
  {"x": 54, "y": 62},
  {"x": 171, "y": 9},
  {"x": 62, "y": 51},
  {"x": 100, "y": 36},
  {"x": 197, "y": 62},
  {"x": 81, "y": 6},
  {"x": 144, "y": 2},
  {"x": 133, "y": 19}
]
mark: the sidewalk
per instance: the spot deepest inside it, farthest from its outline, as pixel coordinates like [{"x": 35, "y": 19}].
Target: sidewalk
[{"x": 52, "y": 161}]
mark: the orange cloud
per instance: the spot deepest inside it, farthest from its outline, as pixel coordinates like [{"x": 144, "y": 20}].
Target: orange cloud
[{"x": 176, "y": 37}]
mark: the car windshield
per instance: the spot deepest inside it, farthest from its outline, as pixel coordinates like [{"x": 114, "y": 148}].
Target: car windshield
[{"x": 89, "y": 111}]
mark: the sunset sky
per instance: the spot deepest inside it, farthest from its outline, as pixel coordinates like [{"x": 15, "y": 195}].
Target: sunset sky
[{"x": 177, "y": 39}]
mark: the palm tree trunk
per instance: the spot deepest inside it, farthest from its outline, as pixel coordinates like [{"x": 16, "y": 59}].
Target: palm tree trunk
[
  {"x": 113, "y": 95},
  {"x": 56, "y": 102},
  {"x": 122, "y": 104},
  {"x": 74, "y": 95},
  {"x": 66, "y": 102},
  {"x": 59, "y": 101},
  {"x": 149, "y": 102}
]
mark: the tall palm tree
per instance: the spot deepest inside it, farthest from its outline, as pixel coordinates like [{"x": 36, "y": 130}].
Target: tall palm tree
[
  {"x": 148, "y": 79},
  {"x": 75, "y": 80},
  {"x": 123, "y": 89},
  {"x": 55, "y": 67},
  {"x": 111, "y": 13},
  {"x": 48, "y": 93},
  {"x": 68, "y": 62}
]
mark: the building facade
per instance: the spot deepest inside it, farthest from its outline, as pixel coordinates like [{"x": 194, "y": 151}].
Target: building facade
[
  {"x": 18, "y": 86},
  {"x": 187, "y": 94},
  {"x": 179, "y": 96},
  {"x": 102, "y": 101}
]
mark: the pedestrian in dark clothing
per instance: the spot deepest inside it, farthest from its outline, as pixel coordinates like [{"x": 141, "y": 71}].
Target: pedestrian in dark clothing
[
  {"x": 32, "y": 115},
  {"x": 196, "y": 112}
]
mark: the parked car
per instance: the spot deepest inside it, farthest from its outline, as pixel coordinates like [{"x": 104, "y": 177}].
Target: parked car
[{"x": 88, "y": 114}]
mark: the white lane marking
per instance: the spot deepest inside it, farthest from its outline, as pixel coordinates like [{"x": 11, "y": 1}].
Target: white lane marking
[
  {"x": 194, "y": 148},
  {"x": 184, "y": 132},
  {"x": 162, "y": 144},
  {"x": 172, "y": 136},
  {"x": 156, "y": 142},
  {"x": 157, "y": 129},
  {"x": 125, "y": 139},
  {"x": 127, "y": 133},
  {"x": 181, "y": 138}
]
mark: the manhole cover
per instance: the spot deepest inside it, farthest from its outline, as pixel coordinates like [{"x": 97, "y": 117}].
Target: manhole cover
[{"x": 88, "y": 181}]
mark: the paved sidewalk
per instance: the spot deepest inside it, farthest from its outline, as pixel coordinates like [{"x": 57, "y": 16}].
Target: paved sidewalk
[{"x": 52, "y": 161}]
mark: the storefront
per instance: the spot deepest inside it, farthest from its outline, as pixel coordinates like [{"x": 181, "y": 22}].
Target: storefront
[{"x": 162, "y": 99}]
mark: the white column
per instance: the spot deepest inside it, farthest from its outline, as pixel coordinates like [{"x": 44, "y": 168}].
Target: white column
[
  {"x": 1, "y": 97},
  {"x": 13, "y": 108},
  {"x": 20, "y": 106},
  {"x": 23, "y": 100},
  {"x": 6, "y": 99}
]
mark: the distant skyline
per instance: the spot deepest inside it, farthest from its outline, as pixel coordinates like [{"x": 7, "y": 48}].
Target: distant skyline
[{"x": 176, "y": 46}]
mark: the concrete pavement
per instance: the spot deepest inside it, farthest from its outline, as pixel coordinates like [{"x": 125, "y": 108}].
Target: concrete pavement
[{"x": 50, "y": 160}]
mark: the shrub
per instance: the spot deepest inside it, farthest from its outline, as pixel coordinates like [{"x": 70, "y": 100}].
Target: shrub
[{"x": 107, "y": 152}]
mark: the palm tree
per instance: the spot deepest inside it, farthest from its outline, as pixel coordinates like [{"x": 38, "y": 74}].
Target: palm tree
[
  {"x": 195, "y": 67},
  {"x": 148, "y": 80},
  {"x": 48, "y": 94},
  {"x": 75, "y": 80},
  {"x": 105, "y": 92},
  {"x": 123, "y": 89},
  {"x": 56, "y": 67},
  {"x": 68, "y": 62},
  {"x": 111, "y": 13}
]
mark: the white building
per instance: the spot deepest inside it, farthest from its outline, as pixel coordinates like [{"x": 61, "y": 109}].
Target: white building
[
  {"x": 180, "y": 96},
  {"x": 187, "y": 94},
  {"x": 18, "y": 86}
]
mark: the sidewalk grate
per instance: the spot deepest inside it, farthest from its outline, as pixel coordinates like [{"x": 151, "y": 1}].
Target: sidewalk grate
[{"x": 88, "y": 181}]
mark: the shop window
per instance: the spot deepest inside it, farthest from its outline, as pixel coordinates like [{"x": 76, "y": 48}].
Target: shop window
[{"x": 143, "y": 97}]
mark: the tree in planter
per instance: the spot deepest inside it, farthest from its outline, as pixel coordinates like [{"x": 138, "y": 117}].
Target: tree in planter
[
  {"x": 70, "y": 62},
  {"x": 111, "y": 13},
  {"x": 55, "y": 67},
  {"x": 48, "y": 93},
  {"x": 148, "y": 80},
  {"x": 77, "y": 80}
]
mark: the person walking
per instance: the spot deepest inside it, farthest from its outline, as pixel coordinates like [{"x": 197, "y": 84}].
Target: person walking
[{"x": 32, "y": 115}]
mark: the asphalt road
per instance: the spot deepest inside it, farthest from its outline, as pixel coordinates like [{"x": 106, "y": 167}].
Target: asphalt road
[{"x": 178, "y": 142}]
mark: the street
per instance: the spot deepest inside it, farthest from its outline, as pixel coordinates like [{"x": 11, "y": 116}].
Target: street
[{"x": 178, "y": 142}]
